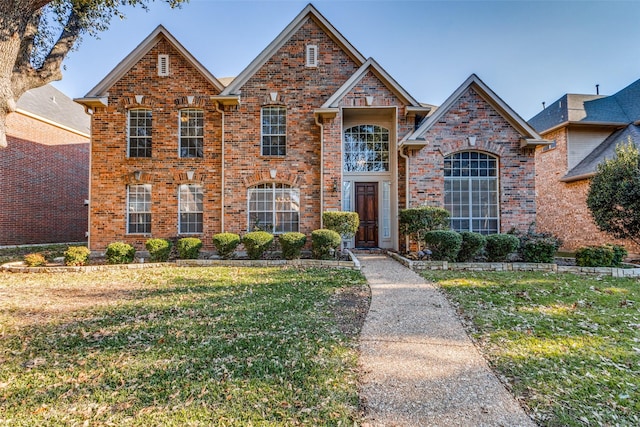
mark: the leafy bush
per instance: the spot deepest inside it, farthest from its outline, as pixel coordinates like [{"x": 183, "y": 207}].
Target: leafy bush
[
  {"x": 344, "y": 223},
  {"x": 159, "y": 249},
  {"x": 444, "y": 244},
  {"x": 256, "y": 243},
  {"x": 189, "y": 247},
  {"x": 76, "y": 255},
  {"x": 541, "y": 249},
  {"x": 226, "y": 244},
  {"x": 619, "y": 253},
  {"x": 323, "y": 241},
  {"x": 594, "y": 256},
  {"x": 472, "y": 245},
  {"x": 120, "y": 253},
  {"x": 415, "y": 222},
  {"x": 500, "y": 246},
  {"x": 292, "y": 244},
  {"x": 35, "y": 260}
]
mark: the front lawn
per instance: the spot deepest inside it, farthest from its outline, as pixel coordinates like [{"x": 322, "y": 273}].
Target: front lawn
[
  {"x": 181, "y": 346},
  {"x": 567, "y": 346}
]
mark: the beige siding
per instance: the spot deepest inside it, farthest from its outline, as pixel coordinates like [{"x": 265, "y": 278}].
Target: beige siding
[{"x": 581, "y": 142}]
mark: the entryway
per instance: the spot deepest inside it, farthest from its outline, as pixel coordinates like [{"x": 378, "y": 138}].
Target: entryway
[{"x": 366, "y": 204}]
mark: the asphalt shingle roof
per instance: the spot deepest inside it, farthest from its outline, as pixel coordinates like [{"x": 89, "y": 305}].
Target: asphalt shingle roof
[{"x": 49, "y": 103}]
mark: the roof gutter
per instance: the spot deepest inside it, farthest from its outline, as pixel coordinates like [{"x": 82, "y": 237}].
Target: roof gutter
[{"x": 577, "y": 177}]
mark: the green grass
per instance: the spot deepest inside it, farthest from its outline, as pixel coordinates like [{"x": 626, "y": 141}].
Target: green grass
[
  {"x": 178, "y": 346},
  {"x": 567, "y": 346}
]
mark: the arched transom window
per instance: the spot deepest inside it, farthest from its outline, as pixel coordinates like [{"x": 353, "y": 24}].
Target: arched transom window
[
  {"x": 366, "y": 149},
  {"x": 274, "y": 207},
  {"x": 471, "y": 191}
]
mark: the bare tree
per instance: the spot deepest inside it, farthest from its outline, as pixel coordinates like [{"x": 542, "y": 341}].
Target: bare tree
[{"x": 36, "y": 36}]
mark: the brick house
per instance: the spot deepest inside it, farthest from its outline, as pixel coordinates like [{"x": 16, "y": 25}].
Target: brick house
[
  {"x": 584, "y": 130},
  {"x": 310, "y": 125},
  {"x": 44, "y": 170}
]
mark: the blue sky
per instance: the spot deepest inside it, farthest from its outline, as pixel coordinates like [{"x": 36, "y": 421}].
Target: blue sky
[{"x": 528, "y": 52}]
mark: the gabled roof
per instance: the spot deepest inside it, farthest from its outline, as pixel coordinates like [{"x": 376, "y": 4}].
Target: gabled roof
[
  {"x": 530, "y": 136},
  {"x": 606, "y": 150},
  {"x": 308, "y": 12},
  {"x": 142, "y": 49},
  {"x": 378, "y": 71},
  {"x": 48, "y": 104}
]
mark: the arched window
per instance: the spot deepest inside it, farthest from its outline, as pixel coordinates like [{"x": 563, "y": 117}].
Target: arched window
[
  {"x": 471, "y": 191},
  {"x": 366, "y": 149},
  {"x": 273, "y": 207}
]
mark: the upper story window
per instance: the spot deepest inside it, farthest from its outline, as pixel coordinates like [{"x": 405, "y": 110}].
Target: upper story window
[
  {"x": 312, "y": 55},
  {"x": 274, "y": 207},
  {"x": 190, "y": 201},
  {"x": 139, "y": 132},
  {"x": 191, "y": 132},
  {"x": 471, "y": 191},
  {"x": 366, "y": 149},
  {"x": 274, "y": 131},
  {"x": 139, "y": 209}
]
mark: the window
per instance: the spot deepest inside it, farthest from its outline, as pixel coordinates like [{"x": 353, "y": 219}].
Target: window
[
  {"x": 139, "y": 133},
  {"x": 274, "y": 208},
  {"x": 386, "y": 209},
  {"x": 471, "y": 191},
  {"x": 366, "y": 149},
  {"x": 274, "y": 131},
  {"x": 163, "y": 65},
  {"x": 191, "y": 132},
  {"x": 549, "y": 146},
  {"x": 139, "y": 209},
  {"x": 191, "y": 208},
  {"x": 312, "y": 55}
]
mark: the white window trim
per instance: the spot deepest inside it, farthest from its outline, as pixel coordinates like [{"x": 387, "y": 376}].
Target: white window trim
[
  {"x": 272, "y": 189},
  {"x": 262, "y": 134},
  {"x": 128, "y": 223},
  {"x": 180, "y": 232},
  {"x": 129, "y": 131},
  {"x": 163, "y": 65},
  {"x": 187, "y": 138},
  {"x": 312, "y": 56}
]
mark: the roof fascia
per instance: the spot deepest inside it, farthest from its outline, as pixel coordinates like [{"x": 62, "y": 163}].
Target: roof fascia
[
  {"x": 390, "y": 82},
  {"x": 145, "y": 46},
  {"x": 578, "y": 177},
  {"x": 52, "y": 122},
  {"x": 584, "y": 124},
  {"x": 281, "y": 39}
]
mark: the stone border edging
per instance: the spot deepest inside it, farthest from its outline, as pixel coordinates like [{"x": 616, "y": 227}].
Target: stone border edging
[
  {"x": 513, "y": 266},
  {"x": 354, "y": 264}
]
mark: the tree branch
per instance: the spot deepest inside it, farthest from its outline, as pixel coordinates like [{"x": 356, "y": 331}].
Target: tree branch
[{"x": 23, "y": 61}]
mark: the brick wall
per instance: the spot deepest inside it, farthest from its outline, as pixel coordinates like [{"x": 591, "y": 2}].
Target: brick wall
[{"x": 44, "y": 181}]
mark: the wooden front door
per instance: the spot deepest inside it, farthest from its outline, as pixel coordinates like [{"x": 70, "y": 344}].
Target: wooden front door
[{"x": 367, "y": 208}]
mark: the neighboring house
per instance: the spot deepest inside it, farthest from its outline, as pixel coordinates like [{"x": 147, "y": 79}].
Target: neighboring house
[
  {"x": 584, "y": 130},
  {"x": 310, "y": 125},
  {"x": 44, "y": 170}
]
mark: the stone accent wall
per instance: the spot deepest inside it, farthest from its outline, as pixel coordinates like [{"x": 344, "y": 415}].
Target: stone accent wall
[
  {"x": 45, "y": 177},
  {"x": 562, "y": 207},
  {"x": 471, "y": 115}
]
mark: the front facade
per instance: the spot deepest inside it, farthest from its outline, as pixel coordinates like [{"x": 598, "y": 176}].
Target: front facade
[{"x": 309, "y": 126}]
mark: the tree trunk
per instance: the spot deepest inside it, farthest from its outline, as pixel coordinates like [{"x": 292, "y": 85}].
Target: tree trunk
[{"x": 9, "y": 47}]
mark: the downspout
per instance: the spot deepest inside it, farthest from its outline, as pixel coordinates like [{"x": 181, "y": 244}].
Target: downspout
[
  {"x": 222, "y": 180},
  {"x": 89, "y": 111},
  {"x": 321, "y": 125},
  {"x": 407, "y": 195}
]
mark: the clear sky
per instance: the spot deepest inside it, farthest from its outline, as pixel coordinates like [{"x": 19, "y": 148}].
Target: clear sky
[{"x": 528, "y": 52}]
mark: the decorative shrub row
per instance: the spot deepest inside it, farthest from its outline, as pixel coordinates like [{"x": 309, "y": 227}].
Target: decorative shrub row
[
  {"x": 449, "y": 245},
  {"x": 601, "y": 256},
  {"x": 292, "y": 244}
]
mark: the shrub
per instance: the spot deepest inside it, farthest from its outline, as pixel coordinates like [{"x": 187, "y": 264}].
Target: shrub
[
  {"x": 292, "y": 244},
  {"x": 256, "y": 243},
  {"x": 120, "y": 253},
  {"x": 444, "y": 244},
  {"x": 159, "y": 249},
  {"x": 323, "y": 241},
  {"x": 415, "y": 222},
  {"x": 540, "y": 249},
  {"x": 189, "y": 247},
  {"x": 472, "y": 245},
  {"x": 76, "y": 255},
  {"x": 594, "y": 256},
  {"x": 35, "y": 260},
  {"x": 344, "y": 223},
  {"x": 619, "y": 253},
  {"x": 226, "y": 244},
  {"x": 500, "y": 246}
]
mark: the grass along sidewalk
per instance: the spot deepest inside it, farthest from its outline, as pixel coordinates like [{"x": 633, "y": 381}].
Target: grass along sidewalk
[
  {"x": 181, "y": 346},
  {"x": 567, "y": 346}
]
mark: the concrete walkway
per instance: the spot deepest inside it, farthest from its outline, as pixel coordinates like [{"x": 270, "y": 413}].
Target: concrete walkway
[{"x": 419, "y": 366}]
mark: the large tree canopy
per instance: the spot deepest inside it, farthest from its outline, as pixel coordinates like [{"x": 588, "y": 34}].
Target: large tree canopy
[
  {"x": 36, "y": 36},
  {"x": 614, "y": 194}
]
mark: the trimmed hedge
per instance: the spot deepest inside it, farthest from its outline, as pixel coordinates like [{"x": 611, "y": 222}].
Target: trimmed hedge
[
  {"x": 159, "y": 249},
  {"x": 472, "y": 245},
  {"x": 35, "y": 260},
  {"x": 226, "y": 244},
  {"x": 76, "y": 255},
  {"x": 120, "y": 253},
  {"x": 600, "y": 256},
  {"x": 344, "y": 223},
  {"x": 500, "y": 246},
  {"x": 189, "y": 247},
  {"x": 539, "y": 249},
  {"x": 444, "y": 244},
  {"x": 292, "y": 244},
  {"x": 323, "y": 241},
  {"x": 257, "y": 243}
]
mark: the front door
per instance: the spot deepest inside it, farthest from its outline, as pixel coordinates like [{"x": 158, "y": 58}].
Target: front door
[{"x": 367, "y": 208}]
